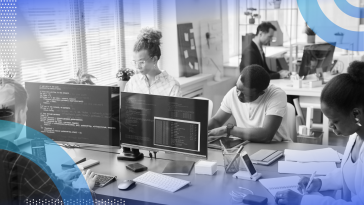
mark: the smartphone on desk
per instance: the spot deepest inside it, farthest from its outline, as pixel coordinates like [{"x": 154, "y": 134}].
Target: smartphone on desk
[
  {"x": 71, "y": 163},
  {"x": 87, "y": 164}
]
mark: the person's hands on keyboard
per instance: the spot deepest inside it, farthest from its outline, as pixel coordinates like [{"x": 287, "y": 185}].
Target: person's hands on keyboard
[{"x": 90, "y": 178}]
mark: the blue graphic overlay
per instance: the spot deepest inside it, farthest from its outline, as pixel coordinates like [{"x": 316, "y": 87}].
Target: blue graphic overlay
[
  {"x": 349, "y": 9},
  {"x": 9, "y": 131},
  {"x": 325, "y": 28}
]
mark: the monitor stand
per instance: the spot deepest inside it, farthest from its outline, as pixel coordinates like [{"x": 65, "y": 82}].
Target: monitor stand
[{"x": 130, "y": 154}]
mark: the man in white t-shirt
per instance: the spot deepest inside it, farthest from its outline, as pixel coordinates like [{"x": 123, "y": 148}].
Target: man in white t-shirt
[{"x": 259, "y": 109}]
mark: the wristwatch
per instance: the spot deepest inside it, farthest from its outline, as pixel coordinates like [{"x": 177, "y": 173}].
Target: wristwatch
[{"x": 229, "y": 127}]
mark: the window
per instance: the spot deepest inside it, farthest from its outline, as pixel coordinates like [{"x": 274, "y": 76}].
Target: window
[
  {"x": 288, "y": 16},
  {"x": 53, "y": 28},
  {"x": 93, "y": 36}
]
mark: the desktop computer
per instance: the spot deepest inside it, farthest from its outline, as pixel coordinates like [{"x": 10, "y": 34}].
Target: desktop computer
[
  {"x": 74, "y": 114},
  {"x": 317, "y": 59},
  {"x": 162, "y": 123}
]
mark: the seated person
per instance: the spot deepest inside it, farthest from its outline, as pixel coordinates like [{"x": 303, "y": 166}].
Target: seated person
[
  {"x": 28, "y": 181},
  {"x": 149, "y": 79},
  {"x": 253, "y": 54},
  {"x": 342, "y": 101},
  {"x": 258, "y": 108}
]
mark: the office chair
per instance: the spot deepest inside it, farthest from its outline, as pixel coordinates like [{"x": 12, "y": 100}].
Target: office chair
[
  {"x": 211, "y": 105},
  {"x": 291, "y": 121}
]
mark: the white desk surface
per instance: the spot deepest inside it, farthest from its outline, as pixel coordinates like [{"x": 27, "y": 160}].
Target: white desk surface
[
  {"x": 203, "y": 189},
  {"x": 287, "y": 86}
]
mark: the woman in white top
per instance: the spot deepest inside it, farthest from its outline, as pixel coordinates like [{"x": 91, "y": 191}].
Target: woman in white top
[
  {"x": 149, "y": 78},
  {"x": 342, "y": 101}
]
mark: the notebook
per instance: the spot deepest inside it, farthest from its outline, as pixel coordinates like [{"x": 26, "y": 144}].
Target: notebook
[
  {"x": 228, "y": 142},
  {"x": 275, "y": 185},
  {"x": 316, "y": 155},
  {"x": 321, "y": 168},
  {"x": 265, "y": 156},
  {"x": 179, "y": 167}
]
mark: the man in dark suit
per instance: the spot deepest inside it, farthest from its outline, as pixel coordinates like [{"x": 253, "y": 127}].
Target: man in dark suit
[{"x": 253, "y": 54}]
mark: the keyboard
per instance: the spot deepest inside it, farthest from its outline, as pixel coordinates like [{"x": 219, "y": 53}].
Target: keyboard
[
  {"x": 103, "y": 179},
  {"x": 161, "y": 181}
]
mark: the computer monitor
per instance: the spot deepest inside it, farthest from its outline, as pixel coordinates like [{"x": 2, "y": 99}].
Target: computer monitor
[
  {"x": 74, "y": 114},
  {"x": 162, "y": 123},
  {"x": 317, "y": 56}
]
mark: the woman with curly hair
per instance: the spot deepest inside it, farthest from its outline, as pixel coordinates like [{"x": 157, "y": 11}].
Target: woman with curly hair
[
  {"x": 149, "y": 78},
  {"x": 342, "y": 101}
]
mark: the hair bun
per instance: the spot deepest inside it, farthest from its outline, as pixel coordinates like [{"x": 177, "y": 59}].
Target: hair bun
[
  {"x": 150, "y": 35},
  {"x": 356, "y": 71}
]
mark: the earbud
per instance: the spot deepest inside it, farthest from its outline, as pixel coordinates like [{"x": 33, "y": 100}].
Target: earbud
[{"x": 356, "y": 113}]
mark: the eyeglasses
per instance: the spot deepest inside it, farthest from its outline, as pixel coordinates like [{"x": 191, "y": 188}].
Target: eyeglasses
[{"x": 139, "y": 63}]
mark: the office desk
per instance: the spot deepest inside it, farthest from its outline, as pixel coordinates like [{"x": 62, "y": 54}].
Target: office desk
[
  {"x": 203, "y": 189},
  {"x": 308, "y": 97}
]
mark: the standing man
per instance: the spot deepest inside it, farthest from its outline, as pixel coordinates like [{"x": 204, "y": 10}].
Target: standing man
[{"x": 253, "y": 54}]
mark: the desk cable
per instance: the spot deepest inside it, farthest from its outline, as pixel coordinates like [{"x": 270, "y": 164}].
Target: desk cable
[{"x": 238, "y": 196}]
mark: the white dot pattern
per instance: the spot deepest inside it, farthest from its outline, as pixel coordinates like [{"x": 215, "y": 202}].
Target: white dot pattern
[
  {"x": 114, "y": 201},
  {"x": 8, "y": 13}
]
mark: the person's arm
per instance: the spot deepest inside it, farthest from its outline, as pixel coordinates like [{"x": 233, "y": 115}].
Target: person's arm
[
  {"x": 274, "y": 75},
  {"x": 249, "y": 58},
  {"x": 218, "y": 120},
  {"x": 263, "y": 134},
  {"x": 39, "y": 185}
]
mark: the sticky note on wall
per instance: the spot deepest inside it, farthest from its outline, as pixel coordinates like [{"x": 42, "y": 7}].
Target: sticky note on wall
[
  {"x": 196, "y": 65},
  {"x": 186, "y": 54},
  {"x": 187, "y": 37}
]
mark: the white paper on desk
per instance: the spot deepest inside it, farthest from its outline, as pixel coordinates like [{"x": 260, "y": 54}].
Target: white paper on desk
[
  {"x": 321, "y": 168},
  {"x": 316, "y": 155},
  {"x": 80, "y": 183},
  {"x": 275, "y": 185},
  {"x": 186, "y": 54}
]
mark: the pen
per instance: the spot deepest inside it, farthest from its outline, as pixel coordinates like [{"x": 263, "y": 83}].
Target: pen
[
  {"x": 222, "y": 146},
  {"x": 236, "y": 155},
  {"x": 310, "y": 181}
]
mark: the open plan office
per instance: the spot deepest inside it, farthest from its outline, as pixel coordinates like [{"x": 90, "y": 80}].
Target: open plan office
[{"x": 182, "y": 101}]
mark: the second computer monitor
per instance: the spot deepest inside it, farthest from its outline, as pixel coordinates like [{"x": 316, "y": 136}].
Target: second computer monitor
[
  {"x": 164, "y": 123},
  {"x": 317, "y": 56}
]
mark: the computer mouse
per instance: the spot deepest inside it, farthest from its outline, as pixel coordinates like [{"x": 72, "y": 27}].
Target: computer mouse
[{"x": 126, "y": 184}]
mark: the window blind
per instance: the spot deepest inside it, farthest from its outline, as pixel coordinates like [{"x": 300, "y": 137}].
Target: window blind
[
  {"x": 131, "y": 28},
  {"x": 102, "y": 36},
  {"x": 53, "y": 27}
]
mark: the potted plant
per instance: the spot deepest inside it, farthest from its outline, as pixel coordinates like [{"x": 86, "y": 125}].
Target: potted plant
[
  {"x": 310, "y": 34},
  {"x": 82, "y": 78},
  {"x": 339, "y": 37},
  {"x": 6, "y": 114},
  {"x": 123, "y": 75},
  {"x": 277, "y": 4},
  {"x": 250, "y": 13}
]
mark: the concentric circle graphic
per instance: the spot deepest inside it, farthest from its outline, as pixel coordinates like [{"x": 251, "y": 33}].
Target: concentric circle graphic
[{"x": 325, "y": 28}]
